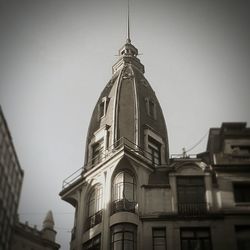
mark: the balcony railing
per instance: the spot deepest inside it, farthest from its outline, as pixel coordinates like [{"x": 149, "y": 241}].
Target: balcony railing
[
  {"x": 106, "y": 154},
  {"x": 123, "y": 206},
  {"x": 94, "y": 220},
  {"x": 192, "y": 209}
]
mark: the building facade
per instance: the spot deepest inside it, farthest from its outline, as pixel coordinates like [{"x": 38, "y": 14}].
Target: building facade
[
  {"x": 30, "y": 238},
  {"x": 11, "y": 177},
  {"x": 131, "y": 194}
]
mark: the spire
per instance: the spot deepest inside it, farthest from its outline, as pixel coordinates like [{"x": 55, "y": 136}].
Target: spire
[
  {"x": 48, "y": 222},
  {"x": 128, "y": 26}
]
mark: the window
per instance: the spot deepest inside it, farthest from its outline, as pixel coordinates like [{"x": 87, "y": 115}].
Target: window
[
  {"x": 242, "y": 192},
  {"x": 159, "y": 239},
  {"x": 123, "y": 237},
  {"x": 191, "y": 195},
  {"x": 97, "y": 152},
  {"x": 95, "y": 207},
  {"x": 154, "y": 149},
  {"x": 243, "y": 237},
  {"x": 93, "y": 244},
  {"x": 195, "y": 239},
  {"x": 124, "y": 192},
  {"x": 103, "y": 105},
  {"x": 151, "y": 107}
]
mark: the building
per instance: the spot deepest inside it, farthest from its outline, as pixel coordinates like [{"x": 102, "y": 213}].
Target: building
[
  {"x": 26, "y": 237},
  {"x": 131, "y": 194},
  {"x": 11, "y": 177}
]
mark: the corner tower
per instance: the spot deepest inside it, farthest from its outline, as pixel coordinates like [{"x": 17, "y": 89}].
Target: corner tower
[
  {"x": 126, "y": 152},
  {"x": 128, "y": 109}
]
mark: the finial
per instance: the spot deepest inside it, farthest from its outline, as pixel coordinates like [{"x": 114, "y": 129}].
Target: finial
[{"x": 128, "y": 26}]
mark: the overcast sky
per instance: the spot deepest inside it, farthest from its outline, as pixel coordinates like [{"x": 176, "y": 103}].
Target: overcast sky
[{"x": 56, "y": 57}]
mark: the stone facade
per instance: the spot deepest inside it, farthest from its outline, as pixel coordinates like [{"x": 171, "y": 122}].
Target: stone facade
[
  {"x": 30, "y": 238},
  {"x": 131, "y": 195}
]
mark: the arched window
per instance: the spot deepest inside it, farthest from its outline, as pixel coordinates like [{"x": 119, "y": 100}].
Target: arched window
[
  {"x": 95, "y": 206},
  {"x": 124, "y": 192}
]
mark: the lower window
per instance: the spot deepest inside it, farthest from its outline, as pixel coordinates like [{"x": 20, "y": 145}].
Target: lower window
[
  {"x": 195, "y": 238},
  {"x": 93, "y": 244},
  {"x": 159, "y": 239},
  {"x": 123, "y": 236},
  {"x": 243, "y": 237}
]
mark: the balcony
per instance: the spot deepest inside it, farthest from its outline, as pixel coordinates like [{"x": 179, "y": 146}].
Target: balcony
[
  {"x": 192, "y": 209},
  {"x": 94, "y": 220},
  {"x": 120, "y": 144},
  {"x": 123, "y": 206}
]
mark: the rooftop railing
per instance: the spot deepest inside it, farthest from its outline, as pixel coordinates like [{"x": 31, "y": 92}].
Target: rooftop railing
[{"x": 108, "y": 153}]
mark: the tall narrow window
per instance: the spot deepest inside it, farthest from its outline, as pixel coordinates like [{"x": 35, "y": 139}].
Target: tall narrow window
[
  {"x": 95, "y": 207},
  {"x": 97, "y": 152},
  {"x": 123, "y": 237},
  {"x": 154, "y": 148},
  {"x": 195, "y": 238},
  {"x": 124, "y": 192},
  {"x": 159, "y": 239},
  {"x": 103, "y": 105},
  {"x": 191, "y": 195},
  {"x": 151, "y": 107}
]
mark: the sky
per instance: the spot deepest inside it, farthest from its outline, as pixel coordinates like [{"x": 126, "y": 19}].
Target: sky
[{"x": 56, "y": 57}]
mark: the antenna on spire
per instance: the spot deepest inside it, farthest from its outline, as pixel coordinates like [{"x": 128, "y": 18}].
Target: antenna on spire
[{"x": 128, "y": 26}]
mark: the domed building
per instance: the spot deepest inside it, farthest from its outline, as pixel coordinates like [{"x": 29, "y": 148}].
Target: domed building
[{"x": 131, "y": 194}]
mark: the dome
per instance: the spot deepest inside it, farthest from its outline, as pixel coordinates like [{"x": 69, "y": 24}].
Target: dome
[{"x": 127, "y": 108}]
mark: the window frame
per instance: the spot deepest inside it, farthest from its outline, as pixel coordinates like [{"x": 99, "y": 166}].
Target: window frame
[
  {"x": 120, "y": 200},
  {"x": 195, "y": 231},
  {"x": 191, "y": 196},
  {"x": 125, "y": 228},
  {"x": 154, "y": 229}
]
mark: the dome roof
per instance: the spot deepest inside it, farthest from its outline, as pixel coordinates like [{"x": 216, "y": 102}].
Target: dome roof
[{"x": 127, "y": 106}]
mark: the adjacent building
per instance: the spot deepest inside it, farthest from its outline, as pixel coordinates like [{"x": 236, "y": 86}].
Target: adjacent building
[
  {"x": 131, "y": 194},
  {"x": 26, "y": 237},
  {"x": 11, "y": 177}
]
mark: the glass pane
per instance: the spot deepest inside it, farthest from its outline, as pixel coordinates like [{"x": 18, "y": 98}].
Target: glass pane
[
  {"x": 129, "y": 192},
  {"x": 117, "y": 236},
  {"x": 128, "y": 236},
  {"x": 117, "y": 245},
  {"x": 128, "y": 178},
  {"x": 128, "y": 245},
  {"x": 159, "y": 241}
]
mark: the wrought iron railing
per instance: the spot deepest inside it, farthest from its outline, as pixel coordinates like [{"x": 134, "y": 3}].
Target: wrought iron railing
[
  {"x": 192, "y": 209},
  {"x": 94, "y": 220},
  {"x": 106, "y": 154},
  {"x": 123, "y": 205}
]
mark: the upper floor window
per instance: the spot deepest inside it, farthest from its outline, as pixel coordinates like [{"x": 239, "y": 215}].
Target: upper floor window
[
  {"x": 191, "y": 195},
  {"x": 103, "y": 105},
  {"x": 151, "y": 107},
  {"x": 124, "y": 192},
  {"x": 195, "y": 238},
  {"x": 159, "y": 238},
  {"x": 154, "y": 148},
  {"x": 242, "y": 192},
  {"x": 95, "y": 206},
  {"x": 123, "y": 236},
  {"x": 97, "y": 151}
]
